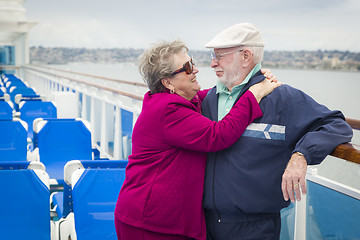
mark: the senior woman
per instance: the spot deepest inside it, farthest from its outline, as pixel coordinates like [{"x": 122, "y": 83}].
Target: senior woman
[{"x": 162, "y": 193}]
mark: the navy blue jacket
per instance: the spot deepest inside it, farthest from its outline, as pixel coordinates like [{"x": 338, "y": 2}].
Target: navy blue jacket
[{"x": 246, "y": 178}]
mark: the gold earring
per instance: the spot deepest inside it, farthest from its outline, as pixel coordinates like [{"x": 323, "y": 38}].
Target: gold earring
[{"x": 172, "y": 91}]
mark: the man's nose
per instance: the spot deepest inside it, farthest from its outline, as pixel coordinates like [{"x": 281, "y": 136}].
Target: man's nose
[{"x": 214, "y": 63}]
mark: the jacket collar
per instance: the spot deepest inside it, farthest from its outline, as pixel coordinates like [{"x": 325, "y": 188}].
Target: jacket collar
[
  {"x": 258, "y": 77},
  {"x": 212, "y": 97}
]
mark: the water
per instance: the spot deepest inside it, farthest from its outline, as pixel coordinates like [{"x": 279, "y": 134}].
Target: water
[{"x": 337, "y": 90}]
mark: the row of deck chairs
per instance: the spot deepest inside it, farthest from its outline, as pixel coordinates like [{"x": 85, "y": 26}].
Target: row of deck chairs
[{"x": 51, "y": 186}]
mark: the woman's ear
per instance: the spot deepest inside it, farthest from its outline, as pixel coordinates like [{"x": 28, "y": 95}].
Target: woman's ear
[{"x": 167, "y": 84}]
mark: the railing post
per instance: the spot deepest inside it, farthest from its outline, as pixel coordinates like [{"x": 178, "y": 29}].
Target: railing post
[
  {"x": 300, "y": 219},
  {"x": 103, "y": 138},
  {"x": 300, "y": 212},
  {"x": 92, "y": 119},
  {"x": 47, "y": 86},
  {"x": 77, "y": 94},
  {"x": 135, "y": 117},
  {"x": 84, "y": 108},
  {"x": 118, "y": 149}
]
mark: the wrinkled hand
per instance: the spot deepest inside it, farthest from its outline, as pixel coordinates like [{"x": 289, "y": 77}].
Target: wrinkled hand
[
  {"x": 294, "y": 178},
  {"x": 263, "y": 88},
  {"x": 268, "y": 74}
]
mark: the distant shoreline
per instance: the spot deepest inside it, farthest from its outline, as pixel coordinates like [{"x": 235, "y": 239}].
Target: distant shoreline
[{"x": 308, "y": 60}]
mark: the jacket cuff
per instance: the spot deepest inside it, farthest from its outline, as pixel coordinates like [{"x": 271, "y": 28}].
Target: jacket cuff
[{"x": 305, "y": 153}]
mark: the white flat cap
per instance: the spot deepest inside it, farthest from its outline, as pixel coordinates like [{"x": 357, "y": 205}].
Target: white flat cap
[{"x": 242, "y": 34}]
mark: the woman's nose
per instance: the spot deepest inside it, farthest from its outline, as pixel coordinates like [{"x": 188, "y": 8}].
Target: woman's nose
[{"x": 195, "y": 70}]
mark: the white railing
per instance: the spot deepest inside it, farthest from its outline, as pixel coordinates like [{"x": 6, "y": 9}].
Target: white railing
[{"x": 302, "y": 207}]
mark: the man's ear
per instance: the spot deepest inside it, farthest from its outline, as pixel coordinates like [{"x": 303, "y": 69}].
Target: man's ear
[{"x": 247, "y": 56}]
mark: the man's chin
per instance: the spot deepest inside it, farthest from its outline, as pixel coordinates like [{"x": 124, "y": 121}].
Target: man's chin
[{"x": 222, "y": 80}]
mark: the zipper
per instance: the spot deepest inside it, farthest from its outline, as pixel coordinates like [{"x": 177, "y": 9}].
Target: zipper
[
  {"x": 246, "y": 87},
  {"x": 213, "y": 191}
]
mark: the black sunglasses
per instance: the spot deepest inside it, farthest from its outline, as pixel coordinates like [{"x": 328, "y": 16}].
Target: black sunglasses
[{"x": 188, "y": 68}]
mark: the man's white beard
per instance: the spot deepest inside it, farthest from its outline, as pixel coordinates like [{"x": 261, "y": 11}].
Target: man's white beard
[{"x": 231, "y": 75}]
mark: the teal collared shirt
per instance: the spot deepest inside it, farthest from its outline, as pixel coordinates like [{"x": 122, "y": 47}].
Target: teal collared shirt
[{"x": 226, "y": 98}]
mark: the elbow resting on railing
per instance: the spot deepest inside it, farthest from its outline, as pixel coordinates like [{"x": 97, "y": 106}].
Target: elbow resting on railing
[{"x": 349, "y": 151}]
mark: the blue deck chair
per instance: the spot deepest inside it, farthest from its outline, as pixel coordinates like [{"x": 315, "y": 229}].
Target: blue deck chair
[
  {"x": 59, "y": 141},
  {"x": 7, "y": 76},
  {"x": 24, "y": 201},
  {"x": 10, "y": 80},
  {"x": 6, "y": 111},
  {"x": 13, "y": 141},
  {"x": 30, "y": 110},
  {"x": 16, "y": 82},
  {"x": 27, "y": 97},
  {"x": 20, "y": 91},
  {"x": 95, "y": 188}
]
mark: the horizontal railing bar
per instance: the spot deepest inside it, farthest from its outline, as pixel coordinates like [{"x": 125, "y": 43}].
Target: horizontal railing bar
[
  {"x": 336, "y": 186},
  {"x": 347, "y": 151},
  {"x": 94, "y": 76},
  {"x": 9, "y": 67},
  {"x": 354, "y": 123},
  {"x": 130, "y": 95}
]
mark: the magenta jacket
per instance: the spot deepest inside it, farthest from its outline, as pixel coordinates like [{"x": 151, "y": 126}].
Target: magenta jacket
[{"x": 164, "y": 182}]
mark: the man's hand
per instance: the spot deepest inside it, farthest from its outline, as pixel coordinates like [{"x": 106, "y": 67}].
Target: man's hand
[{"x": 294, "y": 178}]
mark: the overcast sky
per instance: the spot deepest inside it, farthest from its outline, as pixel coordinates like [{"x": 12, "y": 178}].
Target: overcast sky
[{"x": 285, "y": 24}]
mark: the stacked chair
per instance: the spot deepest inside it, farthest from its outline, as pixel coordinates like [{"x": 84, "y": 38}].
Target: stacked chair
[
  {"x": 52, "y": 188},
  {"x": 6, "y": 107},
  {"x": 95, "y": 187},
  {"x": 24, "y": 202},
  {"x": 15, "y": 86},
  {"x": 58, "y": 141},
  {"x": 30, "y": 109},
  {"x": 13, "y": 142}
]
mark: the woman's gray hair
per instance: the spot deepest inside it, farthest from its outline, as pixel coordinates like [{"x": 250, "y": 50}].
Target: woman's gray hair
[{"x": 156, "y": 63}]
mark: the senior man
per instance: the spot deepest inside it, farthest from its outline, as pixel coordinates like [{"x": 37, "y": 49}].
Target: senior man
[{"x": 248, "y": 184}]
